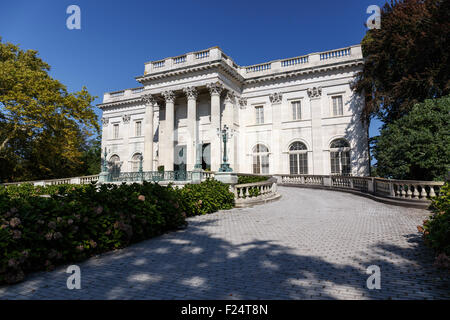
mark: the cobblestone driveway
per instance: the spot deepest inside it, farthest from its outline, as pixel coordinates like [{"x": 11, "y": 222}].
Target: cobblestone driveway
[{"x": 311, "y": 244}]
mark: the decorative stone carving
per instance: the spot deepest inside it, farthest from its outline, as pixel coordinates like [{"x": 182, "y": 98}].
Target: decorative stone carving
[
  {"x": 105, "y": 122},
  {"x": 169, "y": 96},
  {"x": 275, "y": 98},
  {"x": 191, "y": 93},
  {"x": 242, "y": 102},
  {"x": 126, "y": 118},
  {"x": 148, "y": 99},
  {"x": 315, "y": 92},
  {"x": 230, "y": 98},
  {"x": 215, "y": 88}
]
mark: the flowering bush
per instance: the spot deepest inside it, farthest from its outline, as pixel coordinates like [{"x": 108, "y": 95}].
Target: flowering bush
[
  {"x": 436, "y": 230},
  {"x": 206, "y": 197},
  {"x": 38, "y": 233}
]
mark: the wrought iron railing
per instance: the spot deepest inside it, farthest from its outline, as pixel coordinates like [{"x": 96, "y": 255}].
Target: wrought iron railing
[{"x": 153, "y": 176}]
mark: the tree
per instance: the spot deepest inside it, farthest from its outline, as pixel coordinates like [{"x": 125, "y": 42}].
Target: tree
[
  {"x": 42, "y": 126},
  {"x": 407, "y": 59},
  {"x": 417, "y": 146}
]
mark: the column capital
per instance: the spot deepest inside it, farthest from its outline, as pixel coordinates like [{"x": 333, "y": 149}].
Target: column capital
[
  {"x": 314, "y": 92},
  {"x": 191, "y": 93},
  {"x": 242, "y": 102},
  {"x": 169, "y": 96},
  {"x": 215, "y": 88},
  {"x": 148, "y": 99},
  {"x": 126, "y": 118},
  {"x": 230, "y": 97},
  {"x": 105, "y": 121},
  {"x": 276, "y": 98}
]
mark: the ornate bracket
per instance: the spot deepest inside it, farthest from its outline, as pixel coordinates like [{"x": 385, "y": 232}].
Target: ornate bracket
[
  {"x": 126, "y": 118},
  {"x": 242, "y": 103},
  {"x": 105, "y": 122},
  {"x": 315, "y": 92},
  {"x": 276, "y": 98}
]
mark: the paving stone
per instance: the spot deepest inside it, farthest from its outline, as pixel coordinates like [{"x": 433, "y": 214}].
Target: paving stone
[{"x": 311, "y": 244}]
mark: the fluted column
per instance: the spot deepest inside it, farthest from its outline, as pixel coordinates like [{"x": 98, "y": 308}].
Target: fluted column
[
  {"x": 191, "y": 94},
  {"x": 215, "y": 90},
  {"x": 167, "y": 146},
  {"x": 228, "y": 120},
  {"x": 148, "y": 132}
]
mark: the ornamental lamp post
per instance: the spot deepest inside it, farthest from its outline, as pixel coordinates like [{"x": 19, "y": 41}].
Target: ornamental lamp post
[{"x": 226, "y": 133}]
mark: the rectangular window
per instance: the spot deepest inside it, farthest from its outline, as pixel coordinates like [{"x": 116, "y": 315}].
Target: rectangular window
[
  {"x": 138, "y": 128},
  {"x": 116, "y": 131},
  {"x": 296, "y": 110},
  {"x": 259, "y": 114},
  {"x": 338, "y": 109}
]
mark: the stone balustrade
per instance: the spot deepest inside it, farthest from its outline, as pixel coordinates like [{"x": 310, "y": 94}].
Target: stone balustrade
[
  {"x": 403, "y": 192},
  {"x": 255, "y": 193},
  {"x": 51, "y": 182}
]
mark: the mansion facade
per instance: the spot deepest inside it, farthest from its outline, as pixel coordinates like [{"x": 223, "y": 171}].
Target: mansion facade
[{"x": 288, "y": 116}]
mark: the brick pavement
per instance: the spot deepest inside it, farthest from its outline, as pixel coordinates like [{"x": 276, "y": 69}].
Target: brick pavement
[{"x": 311, "y": 244}]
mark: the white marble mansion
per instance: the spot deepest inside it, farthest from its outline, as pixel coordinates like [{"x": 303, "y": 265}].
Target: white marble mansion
[{"x": 288, "y": 116}]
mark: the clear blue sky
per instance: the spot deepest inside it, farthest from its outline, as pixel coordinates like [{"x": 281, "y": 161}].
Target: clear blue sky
[{"x": 117, "y": 37}]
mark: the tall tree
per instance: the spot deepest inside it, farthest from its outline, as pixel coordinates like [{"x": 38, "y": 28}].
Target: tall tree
[
  {"x": 416, "y": 146},
  {"x": 407, "y": 59},
  {"x": 42, "y": 125}
]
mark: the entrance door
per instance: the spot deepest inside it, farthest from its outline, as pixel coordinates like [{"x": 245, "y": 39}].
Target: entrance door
[
  {"x": 206, "y": 156},
  {"x": 179, "y": 165}
]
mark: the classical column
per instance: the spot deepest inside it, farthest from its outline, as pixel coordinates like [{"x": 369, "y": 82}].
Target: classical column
[
  {"x": 215, "y": 90},
  {"x": 148, "y": 132},
  {"x": 168, "y": 144},
  {"x": 276, "y": 99},
  {"x": 315, "y": 95},
  {"x": 228, "y": 120},
  {"x": 191, "y": 94}
]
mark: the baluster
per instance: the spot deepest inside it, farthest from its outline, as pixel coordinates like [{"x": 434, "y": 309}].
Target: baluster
[
  {"x": 423, "y": 193},
  {"x": 408, "y": 193},
  {"x": 403, "y": 193},
  {"x": 432, "y": 194},
  {"x": 399, "y": 190},
  {"x": 416, "y": 192}
]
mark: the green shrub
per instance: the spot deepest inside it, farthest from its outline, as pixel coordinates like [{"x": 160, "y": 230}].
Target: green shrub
[
  {"x": 436, "y": 230},
  {"x": 206, "y": 197},
  {"x": 251, "y": 179},
  {"x": 37, "y": 233}
]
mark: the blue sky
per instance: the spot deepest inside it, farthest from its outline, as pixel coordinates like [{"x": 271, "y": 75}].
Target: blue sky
[{"x": 117, "y": 37}]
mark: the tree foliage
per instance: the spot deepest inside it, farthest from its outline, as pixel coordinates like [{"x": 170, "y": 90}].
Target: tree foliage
[
  {"x": 416, "y": 146},
  {"x": 407, "y": 59},
  {"x": 43, "y": 127}
]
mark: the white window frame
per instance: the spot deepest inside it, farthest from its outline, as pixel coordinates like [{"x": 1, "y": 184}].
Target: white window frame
[
  {"x": 301, "y": 159},
  {"x": 115, "y": 133},
  {"x": 297, "y": 111},
  {"x": 259, "y": 114},
  {"x": 333, "y": 113},
  {"x": 136, "y": 133}
]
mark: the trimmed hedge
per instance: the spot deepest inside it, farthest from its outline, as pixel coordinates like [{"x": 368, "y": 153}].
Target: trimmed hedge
[
  {"x": 206, "y": 197},
  {"x": 76, "y": 222},
  {"x": 436, "y": 230},
  {"x": 251, "y": 179}
]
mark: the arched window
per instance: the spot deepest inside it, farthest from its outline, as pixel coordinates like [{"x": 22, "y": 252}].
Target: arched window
[
  {"x": 298, "y": 158},
  {"x": 260, "y": 159},
  {"x": 340, "y": 157},
  {"x": 114, "y": 164},
  {"x": 135, "y": 162}
]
